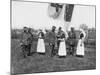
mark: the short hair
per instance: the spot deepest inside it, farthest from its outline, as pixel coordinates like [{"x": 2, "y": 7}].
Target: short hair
[
  {"x": 72, "y": 28},
  {"x": 53, "y": 27},
  {"x": 60, "y": 27},
  {"x": 24, "y": 27}
]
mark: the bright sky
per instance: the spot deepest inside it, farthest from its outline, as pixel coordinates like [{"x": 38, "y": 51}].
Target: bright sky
[
  {"x": 35, "y": 15},
  {"x": 83, "y": 15}
]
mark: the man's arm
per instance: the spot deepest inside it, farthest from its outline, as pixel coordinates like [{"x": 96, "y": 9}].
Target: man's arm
[
  {"x": 74, "y": 35},
  {"x": 21, "y": 40}
]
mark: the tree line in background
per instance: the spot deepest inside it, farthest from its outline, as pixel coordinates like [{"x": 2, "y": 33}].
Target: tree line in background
[{"x": 90, "y": 38}]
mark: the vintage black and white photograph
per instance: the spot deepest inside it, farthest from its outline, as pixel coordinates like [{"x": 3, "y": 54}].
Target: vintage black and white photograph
[{"x": 52, "y": 37}]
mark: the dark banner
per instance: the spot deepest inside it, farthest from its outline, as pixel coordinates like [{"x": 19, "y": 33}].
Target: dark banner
[{"x": 68, "y": 12}]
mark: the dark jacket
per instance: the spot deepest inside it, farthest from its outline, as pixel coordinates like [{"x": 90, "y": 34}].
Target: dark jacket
[
  {"x": 72, "y": 38},
  {"x": 26, "y": 38},
  {"x": 52, "y": 37}
]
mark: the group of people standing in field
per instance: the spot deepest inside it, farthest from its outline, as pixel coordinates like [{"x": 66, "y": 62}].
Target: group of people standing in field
[{"x": 57, "y": 42}]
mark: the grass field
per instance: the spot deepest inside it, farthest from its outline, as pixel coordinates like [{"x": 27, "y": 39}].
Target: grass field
[{"x": 43, "y": 63}]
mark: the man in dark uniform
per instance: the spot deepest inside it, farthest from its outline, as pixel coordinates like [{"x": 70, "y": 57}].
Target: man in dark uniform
[
  {"x": 26, "y": 41},
  {"x": 72, "y": 41},
  {"x": 30, "y": 40},
  {"x": 53, "y": 41}
]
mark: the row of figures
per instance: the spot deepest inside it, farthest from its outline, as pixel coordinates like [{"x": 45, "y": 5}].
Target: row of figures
[{"x": 57, "y": 42}]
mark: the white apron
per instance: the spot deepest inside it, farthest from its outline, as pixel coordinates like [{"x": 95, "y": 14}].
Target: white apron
[
  {"x": 62, "y": 48},
  {"x": 80, "y": 48},
  {"x": 41, "y": 46}
]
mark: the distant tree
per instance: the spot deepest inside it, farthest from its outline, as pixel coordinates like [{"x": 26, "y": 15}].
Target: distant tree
[{"x": 84, "y": 26}]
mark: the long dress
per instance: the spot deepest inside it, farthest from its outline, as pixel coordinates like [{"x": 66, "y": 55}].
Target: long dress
[
  {"x": 40, "y": 45},
  {"x": 62, "y": 48},
  {"x": 80, "y": 47}
]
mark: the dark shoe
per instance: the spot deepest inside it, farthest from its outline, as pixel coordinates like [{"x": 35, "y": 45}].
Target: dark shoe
[
  {"x": 61, "y": 56},
  {"x": 81, "y": 56}
]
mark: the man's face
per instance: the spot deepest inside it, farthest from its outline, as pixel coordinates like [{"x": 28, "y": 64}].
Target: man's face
[
  {"x": 25, "y": 29},
  {"x": 53, "y": 28},
  {"x": 72, "y": 29},
  {"x": 40, "y": 30}
]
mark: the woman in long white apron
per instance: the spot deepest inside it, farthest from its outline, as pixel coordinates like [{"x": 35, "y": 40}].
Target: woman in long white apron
[
  {"x": 41, "y": 44},
  {"x": 62, "y": 46},
  {"x": 80, "y": 47}
]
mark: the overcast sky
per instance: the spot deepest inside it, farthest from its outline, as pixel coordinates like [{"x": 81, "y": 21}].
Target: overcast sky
[{"x": 35, "y": 15}]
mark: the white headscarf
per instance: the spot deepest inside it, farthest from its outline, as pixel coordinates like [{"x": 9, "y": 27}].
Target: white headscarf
[{"x": 83, "y": 32}]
